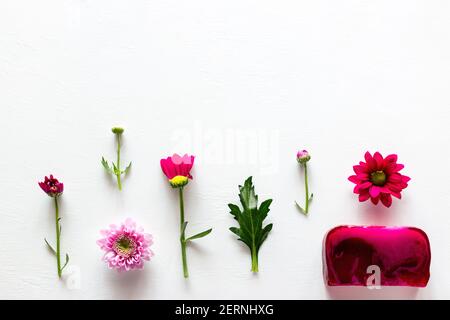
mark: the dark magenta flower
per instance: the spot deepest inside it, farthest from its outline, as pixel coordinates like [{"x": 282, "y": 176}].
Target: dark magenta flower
[
  {"x": 52, "y": 187},
  {"x": 378, "y": 179}
]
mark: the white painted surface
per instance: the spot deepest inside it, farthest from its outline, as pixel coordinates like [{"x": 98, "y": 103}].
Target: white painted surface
[{"x": 243, "y": 85}]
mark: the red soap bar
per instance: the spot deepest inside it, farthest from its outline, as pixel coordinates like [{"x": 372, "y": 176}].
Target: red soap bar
[{"x": 402, "y": 254}]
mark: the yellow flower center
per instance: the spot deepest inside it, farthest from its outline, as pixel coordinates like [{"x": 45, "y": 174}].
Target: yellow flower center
[
  {"x": 124, "y": 246},
  {"x": 378, "y": 178},
  {"x": 179, "y": 181}
]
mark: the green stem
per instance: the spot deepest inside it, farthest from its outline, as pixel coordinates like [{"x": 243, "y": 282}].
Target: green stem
[
  {"x": 183, "y": 235},
  {"x": 119, "y": 183},
  {"x": 58, "y": 236},
  {"x": 254, "y": 260},
  {"x": 306, "y": 189}
]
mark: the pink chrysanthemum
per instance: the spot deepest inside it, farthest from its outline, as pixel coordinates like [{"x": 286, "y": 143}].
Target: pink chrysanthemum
[
  {"x": 126, "y": 247},
  {"x": 52, "y": 187},
  {"x": 177, "y": 169},
  {"x": 378, "y": 179}
]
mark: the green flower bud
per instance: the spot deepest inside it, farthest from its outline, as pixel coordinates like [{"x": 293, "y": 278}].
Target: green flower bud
[{"x": 117, "y": 130}]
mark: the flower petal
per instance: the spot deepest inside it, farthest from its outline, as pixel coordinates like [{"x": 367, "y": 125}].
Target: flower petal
[
  {"x": 365, "y": 185},
  {"x": 353, "y": 179},
  {"x": 359, "y": 169},
  {"x": 398, "y": 195},
  {"x": 176, "y": 159},
  {"x": 386, "y": 199},
  {"x": 364, "y": 197},
  {"x": 368, "y": 157},
  {"x": 394, "y": 168},
  {"x": 393, "y": 187},
  {"x": 168, "y": 167},
  {"x": 395, "y": 178},
  {"x": 391, "y": 158},
  {"x": 369, "y": 161},
  {"x": 378, "y": 160},
  {"x": 374, "y": 191},
  {"x": 363, "y": 176}
]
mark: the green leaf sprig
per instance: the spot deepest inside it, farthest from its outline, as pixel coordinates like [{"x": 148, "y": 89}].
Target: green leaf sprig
[
  {"x": 115, "y": 169},
  {"x": 250, "y": 220}
]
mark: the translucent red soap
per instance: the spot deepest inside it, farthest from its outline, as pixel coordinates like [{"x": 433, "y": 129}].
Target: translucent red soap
[{"x": 402, "y": 254}]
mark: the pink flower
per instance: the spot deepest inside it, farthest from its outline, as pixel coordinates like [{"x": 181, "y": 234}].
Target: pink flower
[
  {"x": 52, "y": 187},
  {"x": 379, "y": 179},
  {"x": 303, "y": 156},
  {"x": 177, "y": 169},
  {"x": 126, "y": 246}
]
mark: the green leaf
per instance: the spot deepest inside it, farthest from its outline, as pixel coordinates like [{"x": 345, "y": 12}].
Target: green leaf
[
  {"x": 65, "y": 264},
  {"x": 235, "y": 211},
  {"x": 116, "y": 170},
  {"x": 300, "y": 208},
  {"x": 199, "y": 235},
  {"x": 50, "y": 247},
  {"x": 106, "y": 166},
  {"x": 236, "y": 231},
  {"x": 251, "y": 230},
  {"x": 247, "y": 195},
  {"x": 127, "y": 169},
  {"x": 265, "y": 232}
]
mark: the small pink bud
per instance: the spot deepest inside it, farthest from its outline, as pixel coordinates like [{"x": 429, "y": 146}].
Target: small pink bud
[{"x": 303, "y": 156}]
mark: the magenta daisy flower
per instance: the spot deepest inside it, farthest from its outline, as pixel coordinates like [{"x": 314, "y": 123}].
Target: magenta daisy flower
[
  {"x": 379, "y": 179},
  {"x": 178, "y": 169},
  {"x": 126, "y": 247}
]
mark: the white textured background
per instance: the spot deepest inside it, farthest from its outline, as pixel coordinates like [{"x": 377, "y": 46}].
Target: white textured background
[{"x": 243, "y": 85}]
